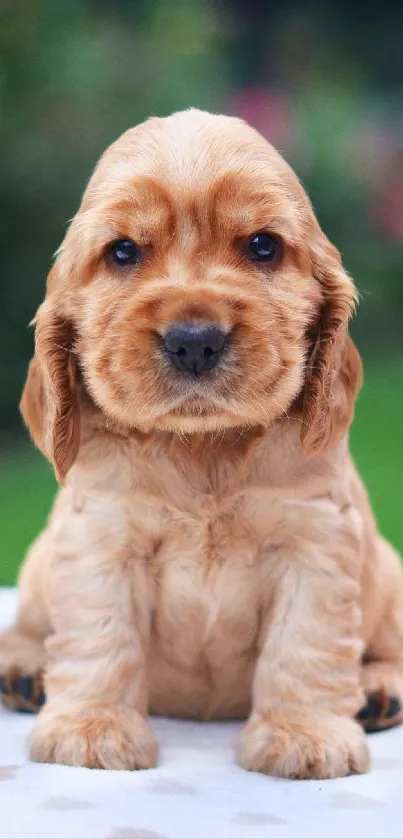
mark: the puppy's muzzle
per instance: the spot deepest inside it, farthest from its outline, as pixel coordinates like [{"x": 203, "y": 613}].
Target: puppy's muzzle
[{"x": 194, "y": 348}]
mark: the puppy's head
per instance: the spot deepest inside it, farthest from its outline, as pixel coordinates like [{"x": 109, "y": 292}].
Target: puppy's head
[{"x": 194, "y": 291}]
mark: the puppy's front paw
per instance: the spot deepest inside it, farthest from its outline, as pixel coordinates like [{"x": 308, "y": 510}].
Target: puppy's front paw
[
  {"x": 102, "y": 737},
  {"x": 328, "y": 748}
]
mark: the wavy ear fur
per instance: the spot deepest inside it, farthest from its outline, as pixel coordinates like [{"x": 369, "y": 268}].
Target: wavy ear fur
[
  {"x": 49, "y": 403},
  {"x": 334, "y": 369}
]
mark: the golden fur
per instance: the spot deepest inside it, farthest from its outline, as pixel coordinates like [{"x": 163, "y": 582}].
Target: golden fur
[{"x": 211, "y": 552}]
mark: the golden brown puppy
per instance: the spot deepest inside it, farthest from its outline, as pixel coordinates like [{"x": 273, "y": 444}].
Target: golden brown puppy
[{"x": 211, "y": 552}]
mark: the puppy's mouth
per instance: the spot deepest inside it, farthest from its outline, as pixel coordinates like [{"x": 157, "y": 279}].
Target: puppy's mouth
[{"x": 195, "y": 399}]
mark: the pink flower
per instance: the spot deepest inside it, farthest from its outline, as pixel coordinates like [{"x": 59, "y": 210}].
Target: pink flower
[
  {"x": 374, "y": 148},
  {"x": 388, "y": 211},
  {"x": 268, "y": 111}
]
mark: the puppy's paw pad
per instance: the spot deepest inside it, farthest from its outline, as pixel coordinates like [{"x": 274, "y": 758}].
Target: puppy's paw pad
[
  {"x": 112, "y": 738},
  {"x": 334, "y": 747}
]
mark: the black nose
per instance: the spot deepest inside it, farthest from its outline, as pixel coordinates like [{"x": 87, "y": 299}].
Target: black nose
[{"x": 194, "y": 348}]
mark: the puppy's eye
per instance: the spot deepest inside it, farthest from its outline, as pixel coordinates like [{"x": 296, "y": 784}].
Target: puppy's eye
[
  {"x": 124, "y": 252},
  {"x": 263, "y": 247}
]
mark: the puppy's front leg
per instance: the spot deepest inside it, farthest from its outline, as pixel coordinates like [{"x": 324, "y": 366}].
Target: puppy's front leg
[
  {"x": 95, "y": 684},
  {"x": 306, "y": 689}
]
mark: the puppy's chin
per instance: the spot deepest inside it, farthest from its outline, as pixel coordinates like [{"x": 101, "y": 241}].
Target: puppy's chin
[
  {"x": 204, "y": 419},
  {"x": 202, "y": 423}
]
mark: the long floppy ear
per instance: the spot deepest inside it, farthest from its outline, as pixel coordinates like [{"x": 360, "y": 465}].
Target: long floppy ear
[
  {"x": 334, "y": 369},
  {"x": 49, "y": 404}
]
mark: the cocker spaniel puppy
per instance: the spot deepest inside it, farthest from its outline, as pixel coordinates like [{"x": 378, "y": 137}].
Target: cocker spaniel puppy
[{"x": 211, "y": 553}]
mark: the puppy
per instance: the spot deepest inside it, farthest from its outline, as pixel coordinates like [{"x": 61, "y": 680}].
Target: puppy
[{"x": 211, "y": 552}]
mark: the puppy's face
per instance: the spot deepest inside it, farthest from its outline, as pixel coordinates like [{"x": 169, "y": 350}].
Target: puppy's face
[{"x": 193, "y": 282}]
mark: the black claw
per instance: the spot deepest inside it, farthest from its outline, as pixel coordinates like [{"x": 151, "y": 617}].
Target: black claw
[
  {"x": 394, "y": 708},
  {"x": 23, "y": 693},
  {"x": 378, "y": 709},
  {"x": 23, "y": 687},
  {"x": 371, "y": 710}
]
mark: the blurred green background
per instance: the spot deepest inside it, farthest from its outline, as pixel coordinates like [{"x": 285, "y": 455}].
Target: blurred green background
[{"x": 322, "y": 81}]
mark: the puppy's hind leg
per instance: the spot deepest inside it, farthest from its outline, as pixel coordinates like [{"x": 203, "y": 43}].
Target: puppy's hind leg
[
  {"x": 382, "y": 671},
  {"x": 22, "y": 650}
]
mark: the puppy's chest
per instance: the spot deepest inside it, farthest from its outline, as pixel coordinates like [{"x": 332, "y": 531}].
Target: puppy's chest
[
  {"x": 207, "y": 573},
  {"x": 218, "y": 560},
  {"x": 205, "y": 576}
]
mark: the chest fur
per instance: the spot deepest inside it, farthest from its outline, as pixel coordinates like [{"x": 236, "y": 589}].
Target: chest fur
[
  {"x": 206, "y": 582},
  {"x": 218, "y": 563}
]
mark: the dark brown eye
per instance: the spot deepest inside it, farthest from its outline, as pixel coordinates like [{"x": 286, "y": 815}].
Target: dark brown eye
[
  {"x": 263, "y": 247},
  {"x": 124, "y": 252}
]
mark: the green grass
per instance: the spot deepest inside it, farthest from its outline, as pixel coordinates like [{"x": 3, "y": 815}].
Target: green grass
[
  {"x": 27, "y": 485},
  {"x": 377, "y": 445}
]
